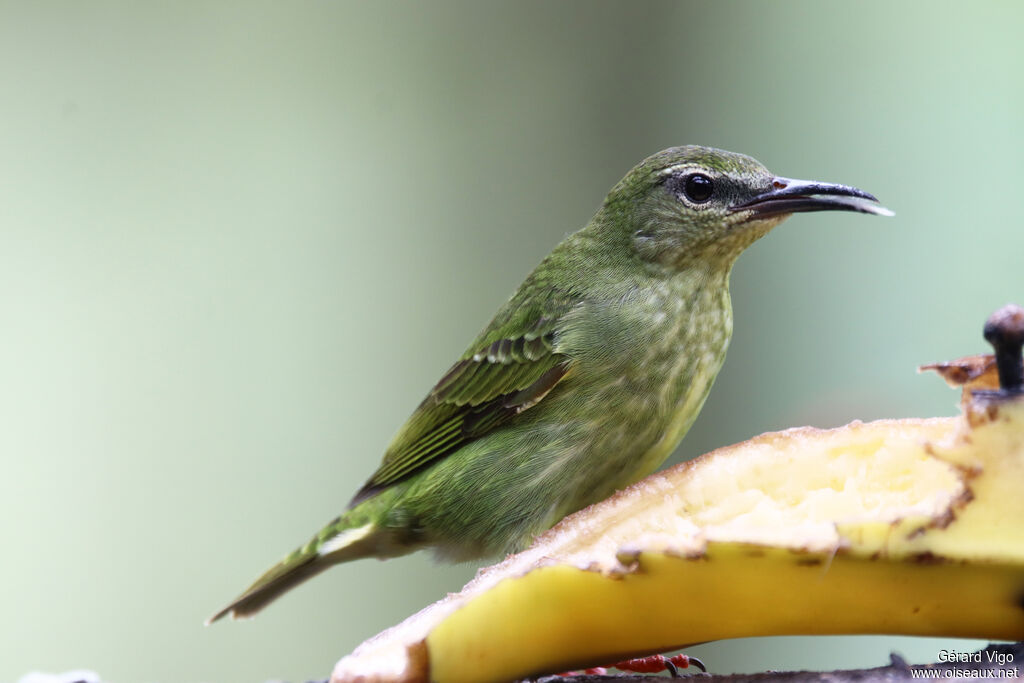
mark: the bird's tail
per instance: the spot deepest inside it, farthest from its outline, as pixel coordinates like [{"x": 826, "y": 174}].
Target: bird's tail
[{"x": 349, "y": 537}]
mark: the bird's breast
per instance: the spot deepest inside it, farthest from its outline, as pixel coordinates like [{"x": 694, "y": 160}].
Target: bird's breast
[{"x": 647, "y": 362}]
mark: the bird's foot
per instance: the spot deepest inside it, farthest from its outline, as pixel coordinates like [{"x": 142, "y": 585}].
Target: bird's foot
[
  {"x": 657, "y": 663},
  {"x": 646, "y": 665}
]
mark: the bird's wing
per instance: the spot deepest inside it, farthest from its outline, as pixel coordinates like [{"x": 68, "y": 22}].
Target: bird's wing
[{"x": 510, "y": 368}]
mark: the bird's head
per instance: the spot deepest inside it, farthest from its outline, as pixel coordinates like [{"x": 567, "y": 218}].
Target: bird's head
[{"x": 693, "y": 202}]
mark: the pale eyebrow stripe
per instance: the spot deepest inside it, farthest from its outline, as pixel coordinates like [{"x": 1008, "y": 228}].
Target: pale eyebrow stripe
[{"x": 672, "y": 169}]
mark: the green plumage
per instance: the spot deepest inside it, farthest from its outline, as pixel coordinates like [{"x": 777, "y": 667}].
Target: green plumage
[{"x": 584, "y": 381}]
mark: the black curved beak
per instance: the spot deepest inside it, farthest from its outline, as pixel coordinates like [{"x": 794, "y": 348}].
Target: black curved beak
[{"x": 798, "y": 196}]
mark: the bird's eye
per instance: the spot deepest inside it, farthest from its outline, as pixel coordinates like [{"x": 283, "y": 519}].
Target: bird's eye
[{"x": 698, "y": 187}]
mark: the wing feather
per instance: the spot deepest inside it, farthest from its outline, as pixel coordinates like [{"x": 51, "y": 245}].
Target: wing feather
[{"x": 510, "y": 368}]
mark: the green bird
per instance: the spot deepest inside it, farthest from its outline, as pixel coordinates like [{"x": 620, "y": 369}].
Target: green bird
[{"x": 584, "y": 381}]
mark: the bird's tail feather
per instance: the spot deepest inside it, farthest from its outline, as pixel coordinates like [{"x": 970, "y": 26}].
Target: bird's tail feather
[{"x": 338, "y": 542}]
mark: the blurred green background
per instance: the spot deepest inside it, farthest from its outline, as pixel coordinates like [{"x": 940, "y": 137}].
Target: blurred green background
[{"x": 239, "y": 242}]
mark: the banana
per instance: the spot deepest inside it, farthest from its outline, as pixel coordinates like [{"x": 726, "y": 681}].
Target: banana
[{"x": 891, "y": 527}]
